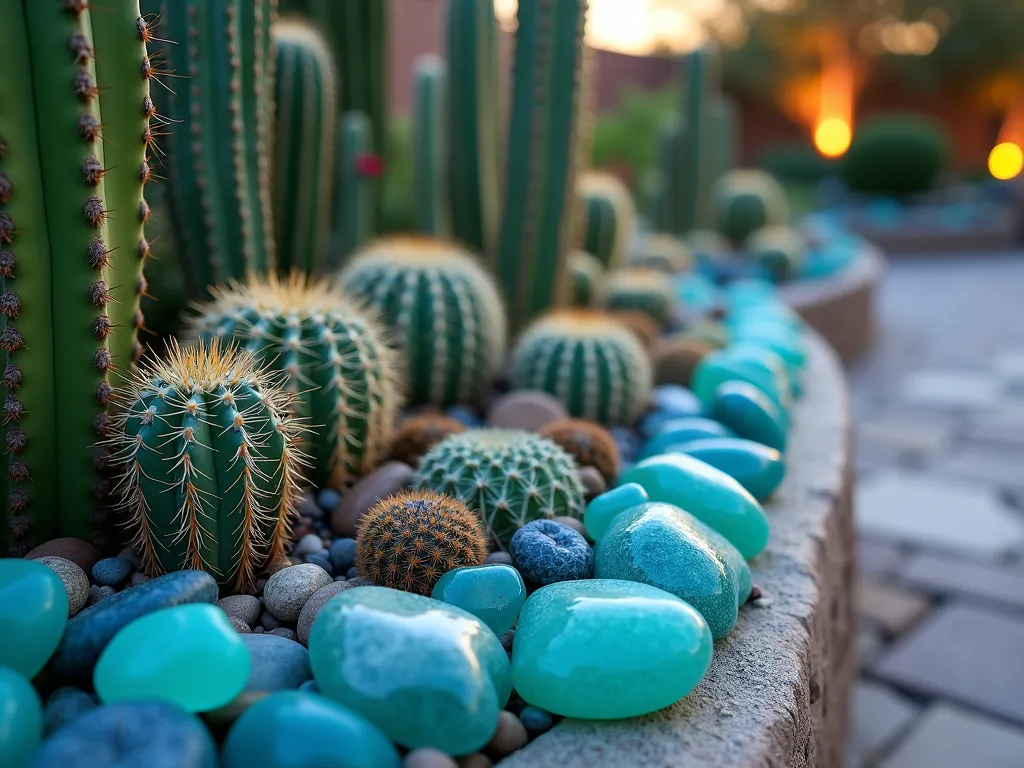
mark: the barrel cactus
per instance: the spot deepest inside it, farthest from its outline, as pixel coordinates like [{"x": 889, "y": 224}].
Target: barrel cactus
[
  {"x": 593, "y": 364},
  {"x": 509, "y": 476},
  {"x": 589, "y": 443},
  {"x": 333, "y": 355},
  {"x": 586, "y": 279},
  {"x": 643, "y": 290},
  {"x": 443, "y": 310},
  {"x": 747, "y": 200},
  {"x": 210, "y": 463},
  {"x": 665, "y": 253},
  {"x": 607, "y": 217},
  {"x": 778, "y": 250}
]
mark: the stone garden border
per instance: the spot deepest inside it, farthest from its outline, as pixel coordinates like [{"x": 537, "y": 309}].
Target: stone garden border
[
  {"x": 778, "y": 688},
  {"x": 1000, "y": 234}
]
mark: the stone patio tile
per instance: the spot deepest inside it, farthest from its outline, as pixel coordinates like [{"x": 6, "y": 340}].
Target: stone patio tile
[
  {"x": 892, "y": 609},
  {"x": 965, "y": 653},
  {"x": 879, "y": 717},
  {"x": 1009, "y": 367},
  {"x": 934, "y": 512},
  {"x": 922, "y": 438},
  {"x": 868, "y": 644},
  {"x": 951, "y": 737},
  {"x": 948, "y": 576},
  {"x": 878, "y": 559},
  {"x": 1000, "y": 468},
  {"x": 951, "y": 388}
]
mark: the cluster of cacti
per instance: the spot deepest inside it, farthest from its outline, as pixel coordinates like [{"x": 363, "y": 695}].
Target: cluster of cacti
[
  {"x": 746, "y": 201},
  {"x": 75, "y": 141},
  {"x": 590, "y": 444},
  {"x": 640, "y": 290},
  {"x": 430, "y": 155},
  {"x": 417, "y": 435},
  {"x": 332, "y": 355},
  {"x": 607, "y": 217},
  {"x": 210, "y": 463},
  {"x": 410, "y": 540},
  {"x": 508, "y": 476},
  {"x": 779, "y": 251},
  {"x": 588, "y": 360},
  {"x": 354, "y": 187},
  {"x": 708, "y": 249},
  {"x": 665, "y": 253},
  {"x": 676, "y": 357},
  {"x": 585, "y": 281},
  {"x": 443, "y": 309}
]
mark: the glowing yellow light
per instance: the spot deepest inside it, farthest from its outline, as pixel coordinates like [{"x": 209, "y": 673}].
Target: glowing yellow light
[
  {"x": 832, "y": 137},
  {"x": 1006, "y": 160}
]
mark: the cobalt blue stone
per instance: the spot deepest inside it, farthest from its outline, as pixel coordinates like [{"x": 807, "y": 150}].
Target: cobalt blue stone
[
  {"x": 277, "y": 663},
  {"x": 750, "y": 413},
  {"x": 352, "y": 573},
  {"x": 112, "y": 571},
  {"x": 675, "y": 399},
  {"x": 465, "y": 415},
  {"x": 757, "y": 467},
  {"x": 546, "y": 552},
  {"x": 64, "y": 706},
  {"x": 535, "y": 719},
  {"x": 677, "y": 432},
  {"x": 130, "y": 734},
  {"x": 328, "y": 499},
  {"x": 343, "y": 554}
]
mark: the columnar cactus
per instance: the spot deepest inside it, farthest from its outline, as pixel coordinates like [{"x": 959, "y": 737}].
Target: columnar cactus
[
  {"x": 474, "y": 133},
  {"x": 333, "y": 357},
  {"x": 663, "y": 206},
  {"x": 586, "y": 279},
  {"x": 589, "y": 361},
  {"x": 747, "y": 200},
  {"x": 304, "y": 143},
  {"x": 540, "y": 161},
  {"x": 778, "y": 250},
  {"x": 210, "y": 464},
  {"x": 724, "y": 133},
  {"x": 353, "y": 188},
  {"x": 608, "y": 217},
  {"x": 430, "y": 156},
  {"x": 694, "y": 160},
  {"x": 642, "y": 290},
  {"x": 508, "y": 476},
  {"x": 443, "y": 309}
]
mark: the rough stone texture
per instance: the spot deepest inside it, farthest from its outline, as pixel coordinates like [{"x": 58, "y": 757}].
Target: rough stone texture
[
  {"x": 778, "y": 689},
  {"x": 951, "y": 737}
]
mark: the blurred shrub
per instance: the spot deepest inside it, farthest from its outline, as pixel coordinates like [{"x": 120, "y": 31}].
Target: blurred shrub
[
  {"x": 397, "y": 212},
  {"x": 796, "y": 163},
  {"x": 895, "y": 154},
  {"x": 626, "y": 138}
]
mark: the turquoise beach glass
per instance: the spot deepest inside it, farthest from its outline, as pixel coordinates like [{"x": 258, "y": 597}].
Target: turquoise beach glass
[
  {"x": 493, "y": 593},
  {"x": 33, "y": 614},
  {"x": 604, "y": 508},
  {"x": 750, "y": 414},
  {"x": 21, "y": 719},
  {"x": 757, "y": 467},
  {"x": 676, "y": 432}
]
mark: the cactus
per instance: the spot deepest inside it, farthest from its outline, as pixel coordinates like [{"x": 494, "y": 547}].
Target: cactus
[
  {"x": 747, "y": 200},
  {"x": 431, "y": 147},
  {"x": 209, "y": 464},
  {"x": 410, "y": 540},
  {"x": 419, "y": 434},
  {"x": 694, "y": 159},
  {"x": 508, "y": 476},
  {"x": 663, "y": 206},
  {"x": 590, "y": 444},
  {"x": 640, "y": 324},
  {"x": 676, "y": 357},
  {"x": 589, "y": 361},
  {"x": 586, "y": 279},
  {"x": 778, "y": 250},
  {"x": 305, "y": 132},
  {"x": 643, "y": 290},
  {"x": 219, "y": 136},
  {"x": 724, "y": 136},
  {"x": 353, "y": 188},
  {"x": 664, "y": 253},
  {"x": 474, "y": 135},
  {"x": 333, "y": 356},
  {"x": 443, "y": 309},
  {"x": 540, "y": 165},
  {"x": 608, "y": 217}
]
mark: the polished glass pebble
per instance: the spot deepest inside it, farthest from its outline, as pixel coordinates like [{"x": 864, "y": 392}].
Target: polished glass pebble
[
  {"x": 608, "y": 649},
  {"x": 708, "y": 494},
  {"x": 290, "y": 729},
  {"x": 725, "y": 365},
  {"x": 603, "y": 509},
  {"x": 33, "y": 614},
  {"x": 661, "y": 545},
  {"x": 493, "y": 593},
  {"x": 21, "y": 718},
  {"x": 674, "y": 433},
  {"x": 755, "y": 466},
  {"x": 189, "y": 655},
  {"x": 750, "y": 414},
  {"x": 425, "y": 673}
]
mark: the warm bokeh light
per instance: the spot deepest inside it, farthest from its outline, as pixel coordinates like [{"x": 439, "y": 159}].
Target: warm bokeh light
[
  {"x": 1006, "y": 161},
  {"x": 833, "y": 128},
  {"x": 832, "y": 137}
]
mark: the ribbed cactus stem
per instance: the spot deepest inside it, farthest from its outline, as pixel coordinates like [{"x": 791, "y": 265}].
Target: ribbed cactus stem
[
  {"x": 354, "y": 185},
  {"x": 430, "y": 156},
  {"x": 693, "y": 159},
  {"x": 666, "y": 206},
  {"x": 724, "y": 135}
]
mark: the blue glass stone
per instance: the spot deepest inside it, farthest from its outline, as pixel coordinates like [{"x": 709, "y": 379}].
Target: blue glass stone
[
  {"x": 757, "y": 467},
  {"x": 750, "y": 414},
  {"x": 696, "y": 290},
  {"x": 604, "y": 508},
  {"x": 725, "y": 365},
  {"x": 33, "y": 614},
  {"x": 21, "y": 718},
  {"x": 328, "y": 499},
  {"x": 493, "y": 593},
  {"x": 535, "y": 719},
  {"x": 65, "y": 705},
  {"x": 679, "y": 431},
  {"x": 343, "y": 554}
]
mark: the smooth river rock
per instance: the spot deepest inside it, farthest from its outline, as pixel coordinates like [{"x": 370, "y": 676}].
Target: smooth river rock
[
  {"x": 493, "y": 593},
  {"x": 750, "y": 414},
  {"x": 277, "y": 663},
  {"x": 757, "y": 467},
  {"x": 33, "y": 614},
  {"x": 21, "y": 719},
  {"x": 289, "y": 589},
  {"x": 678, "y": 432},
  {"x": 74, "y": 579}
]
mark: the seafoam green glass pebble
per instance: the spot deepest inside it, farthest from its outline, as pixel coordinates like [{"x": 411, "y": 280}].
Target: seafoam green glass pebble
[
  {"x": 608, "y": 649},
  {"x": 674, "y": 433},
  {"x": 708, "y": 494},
  {"x": 493, "y": 593},
  {"x": 750, "y": 414},
  {"x": 189, "y": 655},
  {"x": 724, "y": 365},
  {"x": 21, "y": 718},
  {"x": 604, "y": 508},
  {"x": 33, "y": 614},
  {"x": 757, "y": 467}
]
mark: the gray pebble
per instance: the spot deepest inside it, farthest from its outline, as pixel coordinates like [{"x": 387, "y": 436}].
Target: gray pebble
[
  {"x": 240, "y": 626},
  {"x": 269, "y": 621},
  {"x": 76, "y": 583},
  {"x": 258, "y": 630},
  {"x": 112, "y": 571},
  {"x": 309, "y": 508},
  {"x": 289, "y": 589},
  {"x": 321, "y": 559},
  {"x": 98, "y": 594},
  {"x": 278, "y": 663},
  {"x": 244, "y": 607},
  {"x": 499, "y": 558},
  {"x": 286, "y": 633},
  {"x": 312, "y": 607},
  {"x": 307, "y": 545},
  {"x": 139, "y": 578},
  {"x": 343, "y": 554},
  {"x": 428, "y": 757}
]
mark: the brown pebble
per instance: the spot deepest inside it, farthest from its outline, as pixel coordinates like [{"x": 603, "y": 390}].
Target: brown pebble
[
  {"x": 498, "y": 558},
  {"x": 755, "y": 594},
  {"x": 510, "y": 735},
  {"x": 81, "y": 553},
  {"x": 475, "y": 760},
  {"x": 572, "y": 522},
  {"x": 387, "y": 480},
  {"x": 278, "y": 564},
  {"x": 529, "y": 409},
  {"x": 593, "y": 482},
  {"x": 428, "y": 757}
]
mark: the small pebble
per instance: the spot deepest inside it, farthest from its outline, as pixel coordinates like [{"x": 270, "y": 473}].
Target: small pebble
[
  {"x": 139, "y": 578},
  {"x": 527, "y": 409},
  {"x": 99, "y": 594},
  {"x": 269, "y": 621},
  {"x": 546, "y": 552},
  {"x": 359, "y": 581},
  {"x": 289, "y": 589},
  {"x": 240, "y": 626},
  {"x": 81, "y": 553},
  {"x": 340, "y": 578},
  {"x": 574, "y": 523},
  {"x": 308, "y": 507},
  {"x": 474, "y": 760},
  {"x": 131, "y": 556},
  {"x": 510, "y": 735},
  {"x": 428, "y": 757},
  {"x": 111, "y": 571},
  {"x": 278, "y": 663},
  {"x": 593, "y": 482},
  {"x": 312, "y": 607},
  {"x": 328, "y": 499},
  {"x": 343, "y": 554},
  {"x": 507, "y": 639},
  {"x": 286, "y": 633},
  {"x": 307, "y": 545},
  {"x": 244, "y": 607},
  {"x": 352, "y": 573},
  {"x": 535, "y": 719},
  {"x": 258, "y": 630},
  {"x": 464, "y": 415},
  {"x": 322, "y": 560},
  {"x": 498, "y": 558},
  {"x": 64, "y": 705},
  {"x": 386, "y": 480},
  {"x": 76, "y": 583}
]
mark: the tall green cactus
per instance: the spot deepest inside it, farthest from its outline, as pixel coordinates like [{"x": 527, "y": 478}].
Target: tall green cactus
[
  {"x": 430, "y": 155},
  {"x": 694, "y": 161},
  {"x": 353, "y": 188},
  {"x": 663, "y": 208},
  {"x": 724, "y": 137},
  {"x": 304, "y": 145},
  {"x": 541, "y": 159},
  {"x": 474, "y": 133}
]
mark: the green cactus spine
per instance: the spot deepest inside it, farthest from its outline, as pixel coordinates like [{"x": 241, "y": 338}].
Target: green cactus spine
[
  {"x": 474, "y": 134},
  {"x": 541, "y": 158},
  {"x": 430, "y": 166},
  {"x": 643, "y": 290},
  {"x": 304, "y": 145},
  {"x": 508, "y": 476},
  {"x": 747, "y": 200},
  {"x": 592, "y": 363},
  {"x": 353, "y": 188},
  {"x": 586, "y": 279},
  {"x": 443, "y": 310},
  {"x": 608, "y": 217},
  {"x": 334, "y": 358},
  {"x": 209, "y": 464}
]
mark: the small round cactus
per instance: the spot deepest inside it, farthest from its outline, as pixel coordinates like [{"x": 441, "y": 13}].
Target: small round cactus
[
  {"x": 410, "y": 540},
  {"x": 589, "y": 443},
  {"x": 665, "y": 253},
  {"x": 778, "y": 250},
  {"x": 644, "y": 290},
  {"x": 709, "y": 249},
  {"x": 334, "y": 355},
  {"x": 210, "y": 464},
  {"x": 585, "y": 280},
  {"x": 596, "y": 366},
  {"x": 444, "y": 311},
  {"x": 509, "y": 476},
  {"x": 747, "y": 200},
  {"x": 677, "y": 356},
  {"x": 419, "y": 434},
  {"x": 608, "y": 216}
]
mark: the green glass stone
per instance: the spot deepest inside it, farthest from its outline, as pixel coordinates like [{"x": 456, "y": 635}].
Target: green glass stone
[
  {"x": 604, "y": 508},
  {"x": 726, "y": 365},
  {"x": 750, "y": 414},
  {"x": 291, "y": 729},
  {"x": 676, "y": 432},
  {"x": 21, "y": 717},
  {"x": 425, "y": 673},
  {"x": 661, "y": 545},
  {"x": 33, "y": 614},
  {"x": 189, "y": 655},
  {"x": 757, "y": 467},
  {"x": 708, "y": 494},
  {"x": 493, "y": 593},
  {"x": 607, "y": 649}
]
